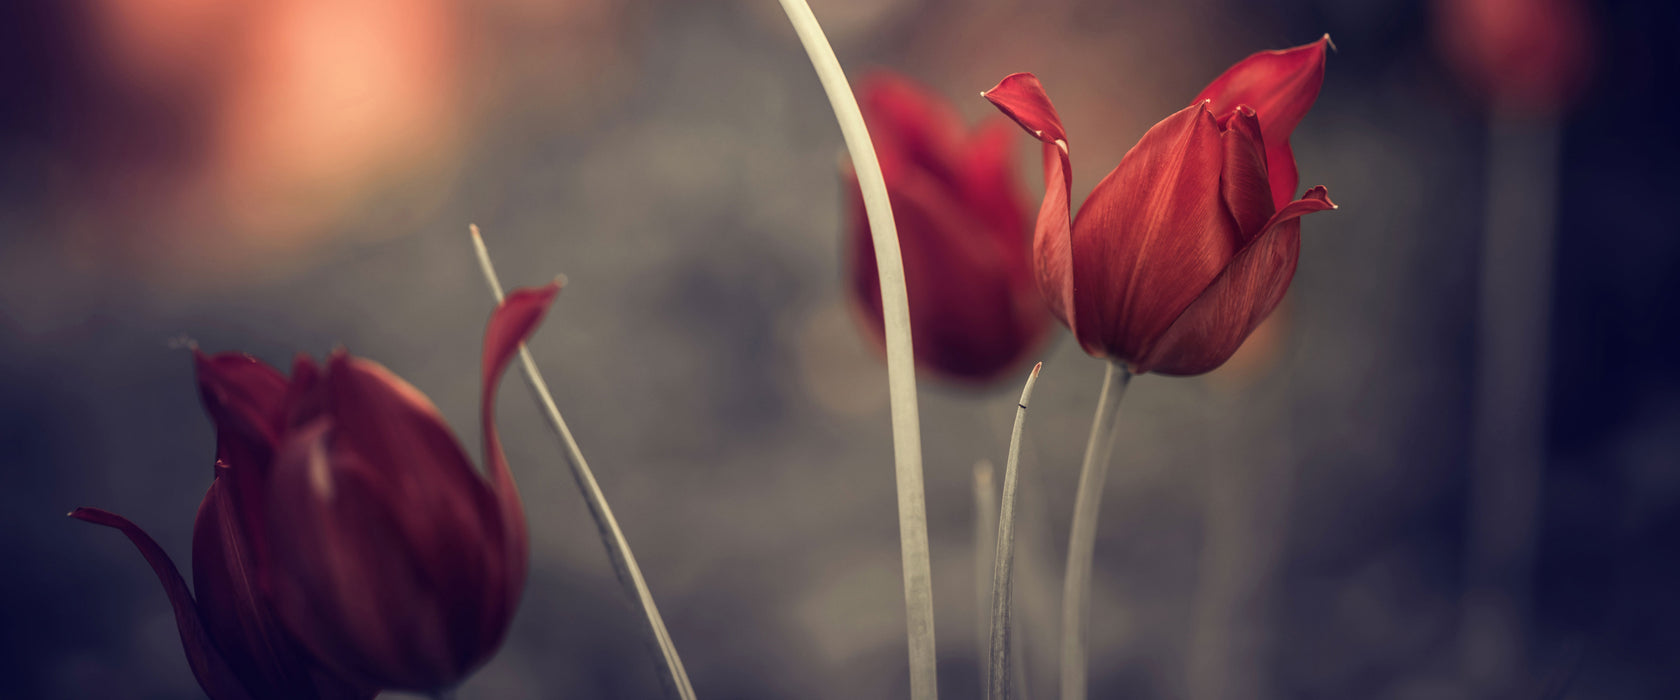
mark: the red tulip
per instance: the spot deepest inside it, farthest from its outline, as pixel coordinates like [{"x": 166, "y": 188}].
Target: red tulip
[
  {"x": 1524, "y": 55},
  {"x": 347, "y": 543},
  {"x": 962, "y": 227},
  {"x": 1182, "y": 250}
]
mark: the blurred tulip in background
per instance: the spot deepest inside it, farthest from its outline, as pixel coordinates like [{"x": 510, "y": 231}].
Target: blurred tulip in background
[{"x": 962, "y": 224}]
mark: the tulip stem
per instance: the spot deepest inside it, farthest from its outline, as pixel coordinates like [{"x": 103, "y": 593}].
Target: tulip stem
[
  {"x": 998, "y": 679},
  {"x": 675, "y": 679},
  {"x": 1508, "y": 438},
  {"x": 901, "y": 369},
  {"x": 1082, "y": 539}
]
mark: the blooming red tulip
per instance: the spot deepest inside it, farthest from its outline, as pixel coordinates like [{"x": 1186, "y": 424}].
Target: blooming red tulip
[
  {"x": 347, "y": 543},
  {"x": 963, "y": 229},
  {"x": 1186, "y": 246},
  {"x": 1524, "y": 55}
]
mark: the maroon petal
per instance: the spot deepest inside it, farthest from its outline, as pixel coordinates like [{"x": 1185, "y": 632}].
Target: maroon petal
[
  {"x": 510, "y": 325},
  {"x": 1152, "y": 235},
  {"x": 1022, "y": 98},
  {"x": 237, "y": 612},
  {"x": 1281, "y": 86},
  {"x": 244, "y": 397},
  {"x": 208, "y": 666},
  {"x": 1214, "y": 326},
  {"x": 356, "y": 590}
]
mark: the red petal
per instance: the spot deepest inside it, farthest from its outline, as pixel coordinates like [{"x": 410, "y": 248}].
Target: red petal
[
  {"x": 1248, "y": 196},
  {"x": 213, "y": 673},
  {"x": 1281, "y": 86},
  {"x": 1022, "y": 98},
  {"x": 992, "y": 190},
  {"x": 963, "y": 285},
  {"x": 1151, "y": 236},
  {"x": 1214, "y": 326},
  {"x": 510, "y": 325}
]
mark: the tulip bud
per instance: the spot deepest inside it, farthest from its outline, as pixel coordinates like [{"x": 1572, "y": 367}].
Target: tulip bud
[
  {"x": 347, "y": 543},
  {"x": 963, "y": 230},
  {"x": 1186, "y": 246}
]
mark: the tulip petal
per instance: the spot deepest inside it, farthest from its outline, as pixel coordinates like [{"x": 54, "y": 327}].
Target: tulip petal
[
  {"x": 1248, "y": 195},
  {"x": 360, "y": 590},
  {"x": 392, "y": 542},
  {"x": 510, "y": 325},
  {"x": 987, "y": 159},
  {"x": 1281, "y": 86},
  {"x": 1022, "y": 98},
  {"x": 244, "y": 397},
  {"x": 911, "y": 127},
  {"x": 208, "y": 666},
  {"x": 963, "y": 285},
  {"x": 1152, "y": 235},
  {"x": 237, "y": 613},
  {"x": 1212, "y": 328}
]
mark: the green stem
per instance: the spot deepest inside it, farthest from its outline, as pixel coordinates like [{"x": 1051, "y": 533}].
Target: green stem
[
  {"x": 901, "y": 368},
  {"x": 674, "y": 678},
  {"x": 1082, "y": 540}
]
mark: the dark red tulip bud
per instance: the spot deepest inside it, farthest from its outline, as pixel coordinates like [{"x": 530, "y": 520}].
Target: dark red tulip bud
[
  {"x": 347, "y": 543},
  {"x": 963, "y": 229},
  {"x": 1524, "y": 55},
  {"x": 1182, "y": 250}
]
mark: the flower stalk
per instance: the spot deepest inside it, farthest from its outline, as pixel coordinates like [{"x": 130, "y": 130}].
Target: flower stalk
[
  {"x": 1082, "y": 540},
  {"x": 674, "y": 678},
  {"x": 901, "y": 371}
]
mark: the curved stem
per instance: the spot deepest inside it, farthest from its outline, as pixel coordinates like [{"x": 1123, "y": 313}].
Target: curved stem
[
  {"x": 1082, "y": 540},
  {"x": 997, "y": 686},
  {"x": 675, "y": 679},
  {"x": 901, "y": 369}
]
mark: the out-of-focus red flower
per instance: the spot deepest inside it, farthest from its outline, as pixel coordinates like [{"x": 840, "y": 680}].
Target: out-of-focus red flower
[
  {"x": 1524, "y": 55},
  {"x": 963, "y": 229},
  {"x": 1186, "y": 246},
  {"x": 347, "y": 543}
]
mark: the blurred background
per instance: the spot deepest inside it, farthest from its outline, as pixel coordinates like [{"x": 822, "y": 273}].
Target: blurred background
[{"x": 290, "y": 175}]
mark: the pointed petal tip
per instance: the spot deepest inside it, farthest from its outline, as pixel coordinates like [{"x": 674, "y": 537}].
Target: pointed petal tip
[{"x": 1327, "y": 41}]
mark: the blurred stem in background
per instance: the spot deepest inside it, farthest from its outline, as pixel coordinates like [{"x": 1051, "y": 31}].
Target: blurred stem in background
[
  {"x": 1082, "y": 538},
  {"x": 674, "y": 678},
  {"x": 1245, "y": 524},
  {"x": 901, "y": 368},
  {"x": 1508, "y": 439}
]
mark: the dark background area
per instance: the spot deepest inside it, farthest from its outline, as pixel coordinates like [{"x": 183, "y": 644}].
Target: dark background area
[{"x": 291, "y": 179}]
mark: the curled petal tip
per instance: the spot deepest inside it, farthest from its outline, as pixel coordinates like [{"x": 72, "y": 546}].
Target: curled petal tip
[
  {"x": 1328, "y": 42},
  {"x": 1036, "y": 368}
]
